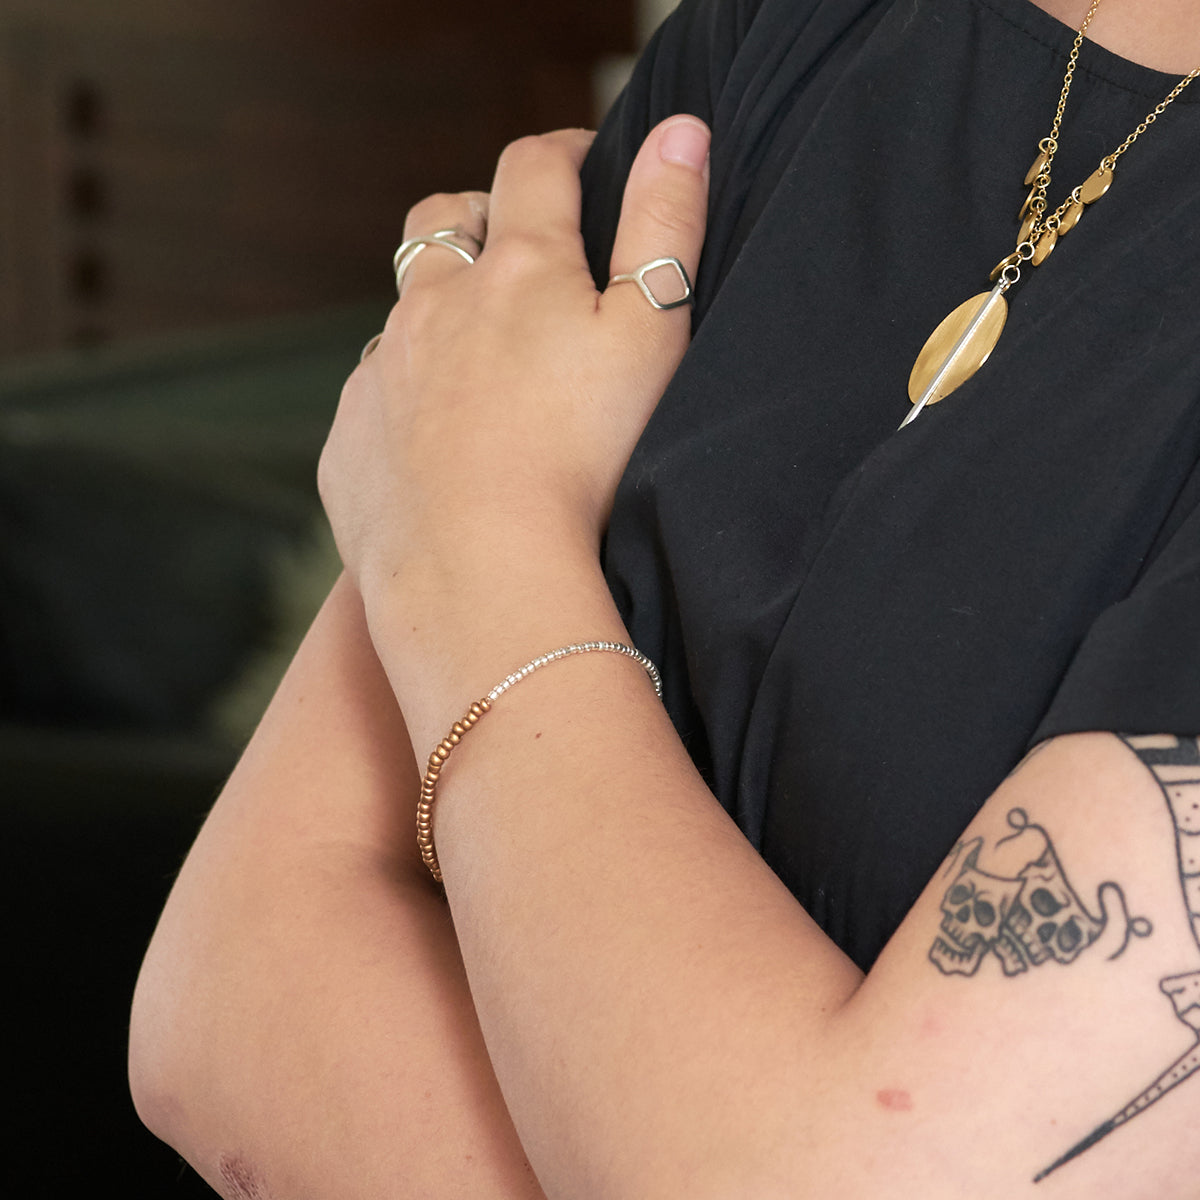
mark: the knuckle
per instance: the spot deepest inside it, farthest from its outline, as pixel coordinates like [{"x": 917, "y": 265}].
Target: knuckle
[
  {"x": 570, "y": 141},
  {"x": 526, "y": 153},
  {"x": 428, "y": 213},
  {"x": 541, "y": 149},
  {"x": 519, "y": 254},
  {"x": 522, "y": 147},
  {"x": 478, "y": 204}
]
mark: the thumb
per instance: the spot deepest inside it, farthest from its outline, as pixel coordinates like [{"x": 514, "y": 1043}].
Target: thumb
[{"x": 663, "y": 213}]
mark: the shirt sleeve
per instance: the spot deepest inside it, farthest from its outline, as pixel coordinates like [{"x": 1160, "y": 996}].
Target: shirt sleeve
[{"x": 1138, "y": 668}]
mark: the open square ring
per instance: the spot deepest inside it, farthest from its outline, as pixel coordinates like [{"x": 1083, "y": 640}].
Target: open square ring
[{"x": 639, "y": 277}]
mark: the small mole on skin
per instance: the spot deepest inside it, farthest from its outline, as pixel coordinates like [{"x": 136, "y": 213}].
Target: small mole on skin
[
  {"x": 895, "y": 1099},
  {"x": 536, "y": 736}
]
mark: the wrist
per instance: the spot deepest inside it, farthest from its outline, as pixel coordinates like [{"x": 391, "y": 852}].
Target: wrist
[{"x": 450, "y": 631}]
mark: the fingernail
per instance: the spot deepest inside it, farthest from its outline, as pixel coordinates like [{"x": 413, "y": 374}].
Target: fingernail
[{"x": 684, "y": 142}]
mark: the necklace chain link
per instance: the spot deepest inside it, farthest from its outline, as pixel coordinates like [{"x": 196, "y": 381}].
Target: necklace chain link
[{"x": 1034, "y": 233}]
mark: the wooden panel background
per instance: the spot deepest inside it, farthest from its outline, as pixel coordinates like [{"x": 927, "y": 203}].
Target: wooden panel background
[{"x": 167, "y": 165}]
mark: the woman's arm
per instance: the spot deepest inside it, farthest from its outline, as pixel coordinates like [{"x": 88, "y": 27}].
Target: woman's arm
[
  {"x": 302, "y": 1025},
  {"x": 663, "y": 1017}
]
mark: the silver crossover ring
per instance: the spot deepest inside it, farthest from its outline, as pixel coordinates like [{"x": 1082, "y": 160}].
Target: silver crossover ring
[
  {"x": 449, "y": 238},
  {"x": 638, "y": 276}
]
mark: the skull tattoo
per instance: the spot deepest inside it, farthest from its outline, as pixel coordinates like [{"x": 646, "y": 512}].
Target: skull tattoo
[
  {"x": 1025, "y": 920},
  {"x": 975, "y": 910}
]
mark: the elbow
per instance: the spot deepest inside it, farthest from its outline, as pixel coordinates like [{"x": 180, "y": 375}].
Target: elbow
[
  {"x": 176, "y": 1082},
  {"x": 155, "y": 1103},
  {"x": 163, "y": 1098},
  {"x": 150, "y": 1084},
  {"x": 156, "y": 1083}
]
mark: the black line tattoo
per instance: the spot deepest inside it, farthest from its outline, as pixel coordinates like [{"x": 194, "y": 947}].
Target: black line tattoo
[
  {"x": 1175, "y": 764},
  {"x": 1027, "y": 919}
]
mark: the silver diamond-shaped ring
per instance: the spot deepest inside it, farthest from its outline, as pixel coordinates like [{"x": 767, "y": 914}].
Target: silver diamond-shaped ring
[{"x": 638, "y": 276}]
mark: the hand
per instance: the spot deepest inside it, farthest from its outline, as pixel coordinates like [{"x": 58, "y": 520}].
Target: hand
[{"x": 505, "y": 397}]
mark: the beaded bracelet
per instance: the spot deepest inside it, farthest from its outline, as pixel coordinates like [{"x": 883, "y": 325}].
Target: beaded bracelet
[{"x": 442, "y": 751}]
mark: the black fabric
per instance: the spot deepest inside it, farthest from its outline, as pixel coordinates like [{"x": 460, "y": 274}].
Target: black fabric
[{"x": 861, "y": 629}]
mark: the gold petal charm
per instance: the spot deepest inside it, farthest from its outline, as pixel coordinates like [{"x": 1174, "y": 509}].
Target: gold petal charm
[
  {"x": 1026, "y": 228},
  {"x": 958, "y": 347},
  {"x": 1036, "y": 169},
  {"x": 1045, "y": 245},
  {"x": 1098, "y": 182},
  {"x": 1070, "y": 218},
  {"x": 1024, "y": 211}
]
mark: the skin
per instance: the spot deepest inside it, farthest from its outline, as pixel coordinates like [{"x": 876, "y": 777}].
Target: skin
[
  {"x": 305, "y": 1004},
  {"x": 1164, "y": 35}
]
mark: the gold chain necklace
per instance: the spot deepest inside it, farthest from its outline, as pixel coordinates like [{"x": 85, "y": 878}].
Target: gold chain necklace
[{"x": 961, "y": 344}]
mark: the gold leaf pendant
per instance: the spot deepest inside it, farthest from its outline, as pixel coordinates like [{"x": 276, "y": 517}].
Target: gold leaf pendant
[
  {"x": 957, "y": 348},
  {"x": 962, "y": 343}
]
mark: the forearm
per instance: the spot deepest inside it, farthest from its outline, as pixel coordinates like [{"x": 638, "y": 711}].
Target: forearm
[
  {"x": 633, "y": 993},
  {"x": 611, "y": 916},
  {"x": 302, "y": 1018}
]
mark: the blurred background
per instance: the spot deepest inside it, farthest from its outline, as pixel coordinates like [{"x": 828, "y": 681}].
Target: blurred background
[{"x": 198, "y": 205}]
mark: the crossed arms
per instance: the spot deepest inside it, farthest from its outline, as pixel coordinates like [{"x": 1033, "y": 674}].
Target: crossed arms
[
  {"x": 621, "y": 995},
  {"x": 661, "y": 1016}
]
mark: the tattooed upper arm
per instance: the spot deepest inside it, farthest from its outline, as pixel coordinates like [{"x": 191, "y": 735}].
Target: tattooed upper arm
[
  {"x": 1033, "y": 916},
  {"x": 1051, "y": 970}
]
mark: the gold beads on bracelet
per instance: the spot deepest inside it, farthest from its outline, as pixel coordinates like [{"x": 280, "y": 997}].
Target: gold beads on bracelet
[{"x": 433, "y": 769}]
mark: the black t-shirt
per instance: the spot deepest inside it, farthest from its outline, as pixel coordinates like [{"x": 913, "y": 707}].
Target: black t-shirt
[{"x": 862, "y": 630}]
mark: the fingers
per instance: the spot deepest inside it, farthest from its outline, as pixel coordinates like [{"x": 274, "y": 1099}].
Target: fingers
[
  {"x": 664, "y": 211},
  {"x": 466, "y": 213},
  {"x": 536, "y": 189},
  {"x": 536, "y": 197}
]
